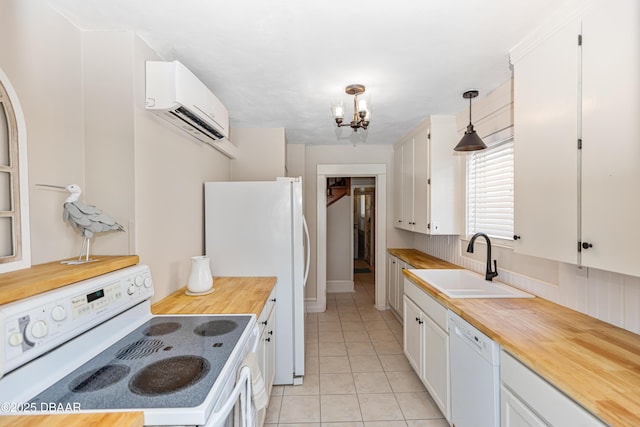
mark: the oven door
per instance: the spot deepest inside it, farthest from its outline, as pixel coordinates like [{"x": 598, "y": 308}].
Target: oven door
[{"x": 236, "y": 408}]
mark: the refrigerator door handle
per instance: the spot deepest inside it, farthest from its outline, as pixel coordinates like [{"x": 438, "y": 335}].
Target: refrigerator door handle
[{"x": 308, "y": 247}]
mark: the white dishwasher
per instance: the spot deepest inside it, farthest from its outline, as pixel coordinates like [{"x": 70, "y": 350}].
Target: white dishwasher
[{"x": 474, "y": 360}]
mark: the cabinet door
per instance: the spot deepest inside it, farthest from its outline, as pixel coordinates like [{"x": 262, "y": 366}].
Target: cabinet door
[
  {"x": 412, "y": 330},
  {"x": 392, "y": 282},
  {"x": 420, "y": 187},
  {"x": 270, "y": 351},
  {"x": 514, "y": 413},
  {"x": 546, "y": 147},
  {"x": 400, "y": 281},
  {"x": 436, "y": 364},
  {"x": 611, "y": 151},
  {"x": 407, "y": 184},
  {"x": 397, "y": 186}
]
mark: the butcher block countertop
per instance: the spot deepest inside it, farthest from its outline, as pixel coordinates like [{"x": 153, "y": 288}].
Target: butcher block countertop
[
  {"x": 120, "y": 419},
  {"x": 232, "y": 295},
  {"x": 421, "y": 260},
  {"x": 41, "y": 278},
  {"x": 593, "y": 362}
]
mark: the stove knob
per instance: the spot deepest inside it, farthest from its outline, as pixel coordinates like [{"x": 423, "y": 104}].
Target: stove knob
[
  {"x": 58, "y": 313},
  {"x": 15, "y": 339},
  {"x": 131, "y": 289},
  {"x": 139, "y": 281},
  {"x": 147, "y": 282},
  {"x": 39, "y": 329}
]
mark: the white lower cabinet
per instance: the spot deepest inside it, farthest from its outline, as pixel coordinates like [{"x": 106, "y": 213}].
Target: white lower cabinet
[
  {"x": 395, "y": 283},
  {"x": 528, "y": 400},
  {"x": 426, "y": 343},
  {"x": 266, "y": 350}
]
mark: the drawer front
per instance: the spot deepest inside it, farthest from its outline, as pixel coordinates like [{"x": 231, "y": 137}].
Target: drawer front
[
  {"x": 436, "y": 311},
  {"x": 544, "y": 399}
]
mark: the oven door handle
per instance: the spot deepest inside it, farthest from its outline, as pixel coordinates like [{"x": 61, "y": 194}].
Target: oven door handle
[{"x": 242, "y": 390}]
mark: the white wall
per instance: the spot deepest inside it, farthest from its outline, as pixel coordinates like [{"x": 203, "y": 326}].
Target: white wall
[
  {"x": 83, "y": 98},
  {"x": 261, "y": 154},
  {"x": 346, "y": 154},
  {"x": 339, "y": 256},
  {"x": 41, "y": 55}
]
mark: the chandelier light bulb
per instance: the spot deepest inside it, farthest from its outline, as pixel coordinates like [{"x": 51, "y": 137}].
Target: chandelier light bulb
[{"x": 362, "y": 105}]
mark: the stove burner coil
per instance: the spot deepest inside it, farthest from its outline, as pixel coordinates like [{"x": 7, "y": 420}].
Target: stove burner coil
[
  {"x": 162, "y": 328},
  {"x": 169, "y": 375},
  {"x": 215, "y": 328},
  {"x": 139, "y": 349},
  {"x": 98, "y": 379}
]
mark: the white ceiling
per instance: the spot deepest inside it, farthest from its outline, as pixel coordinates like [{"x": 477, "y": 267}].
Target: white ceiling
[{"x": 281, "y": 63}]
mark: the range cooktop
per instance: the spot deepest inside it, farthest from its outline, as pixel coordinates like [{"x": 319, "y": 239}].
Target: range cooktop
[{"x": 169, "y": 361}]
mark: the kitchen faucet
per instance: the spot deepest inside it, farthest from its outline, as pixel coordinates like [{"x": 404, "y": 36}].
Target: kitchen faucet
[{"x": 489, "y": 275}]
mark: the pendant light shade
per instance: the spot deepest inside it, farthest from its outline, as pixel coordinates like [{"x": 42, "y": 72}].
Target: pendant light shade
[{"x": 470, "y": 141}]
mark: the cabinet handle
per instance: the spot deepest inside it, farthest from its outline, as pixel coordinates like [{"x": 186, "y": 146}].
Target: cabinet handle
[
  {"x": 420, "y": 322},
  {"x": 268, "y": 339},
  {"x": 264, "y": 323},
  {"x": 417, "y": 319},
  {"x": 586, "y": 245},
  {"x": 516, "y": 237},
  {"x": 273, "y": 300},
  {"x": 270, "y": 332}
]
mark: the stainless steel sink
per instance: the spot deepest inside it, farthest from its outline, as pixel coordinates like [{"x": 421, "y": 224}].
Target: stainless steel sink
[{"x": 467, "y": 284}]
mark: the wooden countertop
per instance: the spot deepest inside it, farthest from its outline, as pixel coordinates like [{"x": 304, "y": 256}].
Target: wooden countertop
[
  {"x": 421, "y": 260},
  {"x": 45, "y": 277},
  {"x": 120, "y": 419},
  {"x": 232, "y": 295},
  {"x": 593, "y": 362}
]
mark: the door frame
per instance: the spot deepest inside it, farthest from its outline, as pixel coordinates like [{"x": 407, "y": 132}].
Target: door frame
[{"x": 324, "y": 171}]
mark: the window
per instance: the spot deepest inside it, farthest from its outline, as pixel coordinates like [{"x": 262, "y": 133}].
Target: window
[
  {"x": 490, "y": 188},
  {"x": 14, "y": 224}
]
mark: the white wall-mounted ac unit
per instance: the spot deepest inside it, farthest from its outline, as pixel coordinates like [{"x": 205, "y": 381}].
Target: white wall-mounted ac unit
[{"x": 175, "y": 94}]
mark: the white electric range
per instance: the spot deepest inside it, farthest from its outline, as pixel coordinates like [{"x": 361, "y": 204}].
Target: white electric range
[{"x": 94, "y": 346}]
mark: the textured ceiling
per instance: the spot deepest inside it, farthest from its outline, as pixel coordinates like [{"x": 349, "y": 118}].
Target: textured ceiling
[{"x": 281, "y": 63}]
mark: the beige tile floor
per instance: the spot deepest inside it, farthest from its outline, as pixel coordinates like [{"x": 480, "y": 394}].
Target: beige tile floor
[{"x": 356, "y": 373}]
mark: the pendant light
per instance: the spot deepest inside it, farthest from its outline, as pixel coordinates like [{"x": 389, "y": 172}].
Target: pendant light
[{"x": 470, "y": 141}]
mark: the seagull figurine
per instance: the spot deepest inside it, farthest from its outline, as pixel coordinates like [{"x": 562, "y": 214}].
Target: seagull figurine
[{"x": 86, "y": 218}]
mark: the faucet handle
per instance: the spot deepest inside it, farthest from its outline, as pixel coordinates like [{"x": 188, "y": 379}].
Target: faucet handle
[{"x": 494, "y": 273}]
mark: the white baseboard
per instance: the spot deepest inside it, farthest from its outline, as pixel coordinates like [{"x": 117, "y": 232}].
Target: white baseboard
[
  {"x": 339, "y": 286},
  {"x": 313, "y": 306}
]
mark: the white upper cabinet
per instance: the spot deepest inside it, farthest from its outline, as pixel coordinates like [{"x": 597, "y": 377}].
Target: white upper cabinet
[
  {"x": 425, "y": 191},
  {"x": 610, "y": 142},
  {"x": 545, "y": 148},
  {"x": 576, "y": 99}
]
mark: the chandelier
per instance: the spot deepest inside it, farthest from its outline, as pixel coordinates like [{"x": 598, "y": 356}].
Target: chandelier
[{"x": 361, "y": 113}]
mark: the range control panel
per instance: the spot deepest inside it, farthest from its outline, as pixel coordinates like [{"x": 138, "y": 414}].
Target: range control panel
[{"x": 34, "y": 325}]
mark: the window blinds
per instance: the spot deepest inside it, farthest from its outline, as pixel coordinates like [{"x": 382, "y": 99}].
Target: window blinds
[{"x": 490, "y": 190}]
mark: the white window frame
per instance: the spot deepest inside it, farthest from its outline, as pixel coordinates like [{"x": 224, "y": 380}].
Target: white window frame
[
  {"x": 20, "y": 200},
  {"x": 497, "y": 140}
]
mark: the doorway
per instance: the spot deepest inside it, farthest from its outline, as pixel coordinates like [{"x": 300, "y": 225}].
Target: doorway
[
  {"x": 378, "y": 223},
  {"x": 364, "y": 222}
]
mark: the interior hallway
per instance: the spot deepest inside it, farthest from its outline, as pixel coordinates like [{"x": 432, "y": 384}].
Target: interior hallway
[{"x": 356, "y": 373}]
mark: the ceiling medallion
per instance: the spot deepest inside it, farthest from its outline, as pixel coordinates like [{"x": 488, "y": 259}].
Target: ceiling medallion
[{"x": 361, "y": 113}]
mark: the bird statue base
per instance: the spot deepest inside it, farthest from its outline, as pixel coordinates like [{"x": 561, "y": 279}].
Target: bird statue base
[
  {"x": 78, "y": 261},
  {"x": 83, "y": 258}
]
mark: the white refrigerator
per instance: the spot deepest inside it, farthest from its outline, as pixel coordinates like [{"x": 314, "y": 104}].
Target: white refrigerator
[{"x": 257, "y": 229}]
